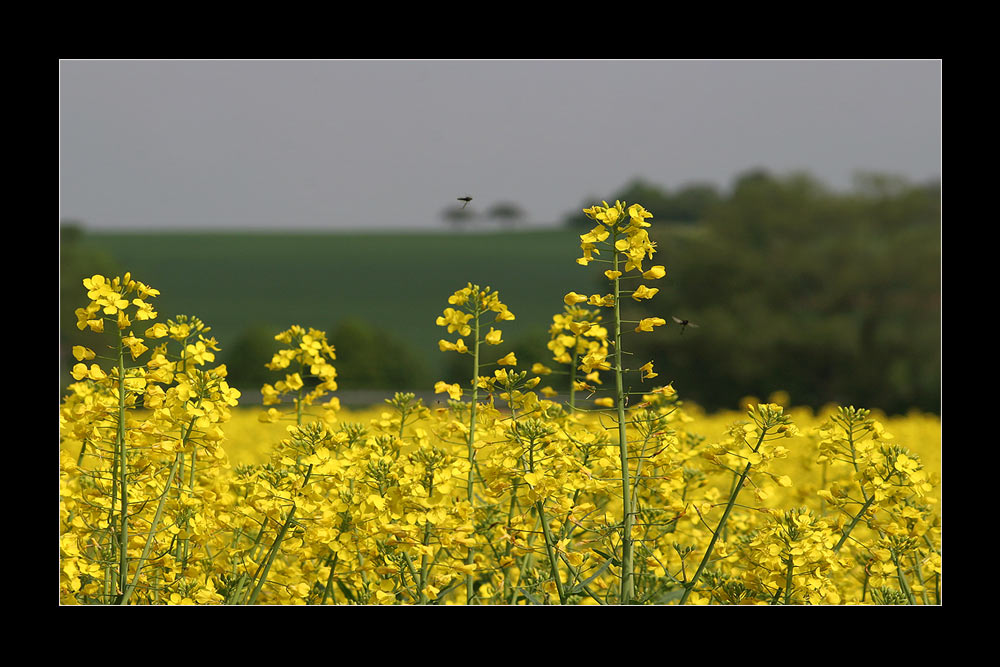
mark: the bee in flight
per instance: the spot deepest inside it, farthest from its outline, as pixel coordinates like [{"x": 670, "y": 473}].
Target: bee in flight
[
  {"x": 466, "y": 199},
  {"x": 684, "y": 323}
]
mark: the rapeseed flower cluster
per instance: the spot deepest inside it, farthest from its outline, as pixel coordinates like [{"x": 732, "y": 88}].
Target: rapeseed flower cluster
[
  {"x": 621, "y": 231},
  {"x": 140, "y": 484},
  {"x": 309, "y": 373},
  {"x": 883, "y": 502},
  {"x": 578, "y": 340}
]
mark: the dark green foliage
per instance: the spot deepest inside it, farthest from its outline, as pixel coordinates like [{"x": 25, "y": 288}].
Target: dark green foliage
[
  {"x": 687, "y": 205},
  {"x": 79, "y": 258},
  {"x": 370, "y": 358},
  {"x": 830, "y": 297},
  {"x": 531, "y": 348},
  {"x": 245, "y": 358}
]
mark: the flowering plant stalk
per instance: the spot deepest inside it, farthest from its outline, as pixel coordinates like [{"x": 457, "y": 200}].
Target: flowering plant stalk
[
  {"x": 882, "y": 487},
  {"x": 120, "y": 498},
  {"x": 575, "y": 333},
  {"x": 766, "y": 420},
  {"x": 474, "y": 303},
  {"x": 308, "y": 356},
  {"x": 624, "y": 234}
]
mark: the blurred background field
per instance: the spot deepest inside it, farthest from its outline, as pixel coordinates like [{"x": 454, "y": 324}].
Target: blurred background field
[
  {"x": 249, "y": 441},
  {"x": 830, "y": 296}
]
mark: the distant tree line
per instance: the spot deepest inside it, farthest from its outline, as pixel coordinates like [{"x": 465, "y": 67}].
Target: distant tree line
[
  {"x": 830, "y": 296},
  {"x": 686, "y": 206},
  {"x": 504, "y": 214}
]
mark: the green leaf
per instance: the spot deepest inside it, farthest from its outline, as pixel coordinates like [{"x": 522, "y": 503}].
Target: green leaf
[
  {"x": 614, "y": 561},
  {"x": 580, "y": 586}
]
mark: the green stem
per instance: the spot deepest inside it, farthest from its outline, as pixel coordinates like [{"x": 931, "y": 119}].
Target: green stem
[
  {"x": 572, "y": 375},
  {"x": 271, "y": 555},
  {"x": 638, "y": 472},
  {"x": 122, "y": 469},
  {"x": 627, "y": 583},
  {"x": 920, "y": 577},
  {"x": 152, "y": 531},
  {"x": 424, "y": 562},
  {"x": 550, "y": 549},
  {"x": 113, "y": 543},
  {"x": 546, "y": 532},
  {"x": 736, "y": 477},
  {"x": 186, "y": 542},
  {"x": 83, "y": 450},
  {"x": 510, "y": 592},
  {"x": 472, "y": 440},
  {"x": 237, "y": 593},
  {"x": 722, "y": 523},
  {"x": 788, "y": 580},
  {"x": 329, "y": 580},
  {"x": 854, "y": 522},
  {"x": 903, "y": 584}
]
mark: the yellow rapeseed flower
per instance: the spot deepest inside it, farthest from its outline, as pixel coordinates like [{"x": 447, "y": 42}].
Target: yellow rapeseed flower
[
  {"x": 294, "y": 381},
  {"x": 595, "y": 235},
  {"x": 453, "y": 390},
  {"x": 158, "y": 330},
  {"x": 455, "y": 320},
  {"x": 655, "y": 272},
  {"x": 134, "y": 345},
  {"x": 647, "y": 323},
  {"x": 458, "y": 346},
  {"x": 643, "y": 292},
  {"x": 638, "y": 215},
  {"x": 508, "y": 360}
]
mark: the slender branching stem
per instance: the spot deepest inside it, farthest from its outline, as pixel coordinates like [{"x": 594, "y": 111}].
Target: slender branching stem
[
  {"x": 722, "y": 523},
  {"x": 271, "y": 556},
  {"x": 470, "y": 557},
  {"x": 152, "y": 530},
  {"x": 627, "y": 583},
  {"x": 854, "y": 522},
  {"x": 122, "y": 470},
  {"x": 788, "y": 579}
]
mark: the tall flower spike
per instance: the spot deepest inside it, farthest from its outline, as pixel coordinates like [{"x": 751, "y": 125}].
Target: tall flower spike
[{"x": 621, "y": 229}]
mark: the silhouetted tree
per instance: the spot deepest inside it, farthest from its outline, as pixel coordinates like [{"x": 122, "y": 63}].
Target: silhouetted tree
[
  {"x": 689, "y": 205},
  {"x": 508, "y": 214},
  {"x": 458, "y": 217}
]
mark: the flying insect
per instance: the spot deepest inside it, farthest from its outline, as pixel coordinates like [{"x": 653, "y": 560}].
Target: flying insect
[
  {"x": 684, "y": 323},
  {"x": 466, "y": 199}
]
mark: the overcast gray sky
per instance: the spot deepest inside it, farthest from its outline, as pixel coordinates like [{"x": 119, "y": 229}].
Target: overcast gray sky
[{"x": 391, "y": 143}]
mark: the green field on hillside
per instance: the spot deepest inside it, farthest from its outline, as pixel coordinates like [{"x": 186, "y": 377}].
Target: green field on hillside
[{"x": 396, "y": 282}]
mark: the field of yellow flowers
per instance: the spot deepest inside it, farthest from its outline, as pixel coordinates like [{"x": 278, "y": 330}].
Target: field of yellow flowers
[{"x": 505, "y": 493}]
